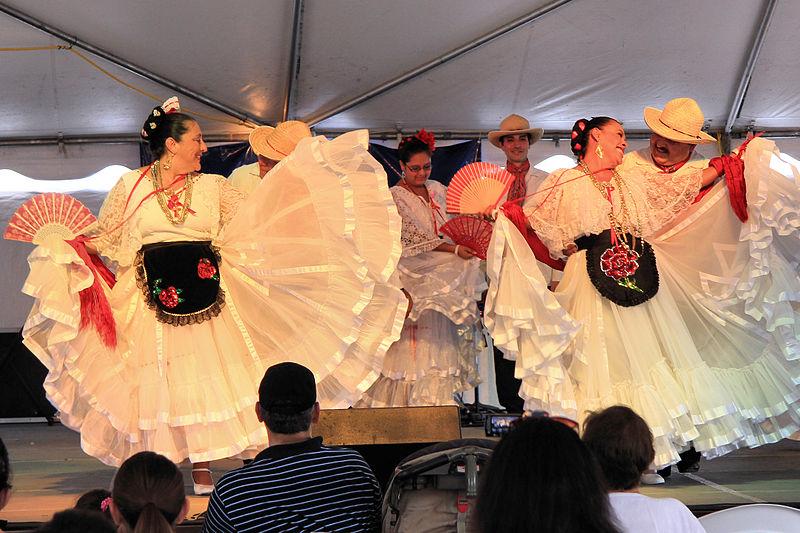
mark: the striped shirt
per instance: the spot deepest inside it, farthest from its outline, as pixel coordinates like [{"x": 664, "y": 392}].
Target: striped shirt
[{"x": 297, "y": 487}]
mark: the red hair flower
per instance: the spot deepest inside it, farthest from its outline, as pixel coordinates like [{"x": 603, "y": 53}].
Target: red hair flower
[{"x": 427, "y": 138}]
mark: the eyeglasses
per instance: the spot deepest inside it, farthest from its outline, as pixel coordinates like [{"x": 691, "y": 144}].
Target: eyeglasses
[{"x": 417, "y": 168}]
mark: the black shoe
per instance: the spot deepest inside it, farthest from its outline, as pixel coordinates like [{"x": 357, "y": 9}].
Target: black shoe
[
  {"x": 690, "y": 461},
  {"x": 665, "y": 472}
]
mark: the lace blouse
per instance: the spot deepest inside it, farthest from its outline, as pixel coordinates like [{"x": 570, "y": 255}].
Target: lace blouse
[
  {"x": 574, "y": 207},
  {"x": 421, "y": 219},
  {"x": 214, "y": 202}
]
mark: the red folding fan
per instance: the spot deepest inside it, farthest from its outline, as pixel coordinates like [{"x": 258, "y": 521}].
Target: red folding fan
[
  {"x": 48, "y": 214},
  {"x": 470, "y": 231},
  {"x": 477, "y": 188}
]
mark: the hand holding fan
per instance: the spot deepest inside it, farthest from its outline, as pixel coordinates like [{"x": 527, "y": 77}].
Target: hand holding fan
[
  {"x": 469, "y": 231},
  {"x": 46, "y": 215},
  {"x": 56, "y": 215},
  {"x": 477, "y": 188}
]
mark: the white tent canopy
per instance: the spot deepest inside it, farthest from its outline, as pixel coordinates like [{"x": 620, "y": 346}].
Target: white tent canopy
[{"x": 581, "y": 58}]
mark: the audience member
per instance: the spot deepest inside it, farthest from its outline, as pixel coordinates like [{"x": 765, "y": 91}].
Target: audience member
[
  {"x": 96, "y": 500},
  {"x": 542, "y": 478},
  {"x": 78, "y": 521},
  {"x": 296, "y": 484},
  {"x": 148, "y": 495},
  {"x": 622, "y": 443}
]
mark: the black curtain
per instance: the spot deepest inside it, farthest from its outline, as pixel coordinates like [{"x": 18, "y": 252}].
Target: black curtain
[
  {"x": 446, "y": 160},
  {"x": 21, "y": 378},
  {"x": 227, "y": 157}
]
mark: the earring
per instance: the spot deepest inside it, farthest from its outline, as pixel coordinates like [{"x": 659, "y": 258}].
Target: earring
[
  {"x": 168, "y": 164},
  {"x": 599, "y": 151}
]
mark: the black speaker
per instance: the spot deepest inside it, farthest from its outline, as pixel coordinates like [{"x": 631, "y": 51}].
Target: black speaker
[{"x": 21, "y": 378}]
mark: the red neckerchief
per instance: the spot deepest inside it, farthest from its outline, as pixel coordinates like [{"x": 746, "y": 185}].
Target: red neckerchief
[
  {"x": 518, "y": 188},
  {"x": 669, "y": 169}
]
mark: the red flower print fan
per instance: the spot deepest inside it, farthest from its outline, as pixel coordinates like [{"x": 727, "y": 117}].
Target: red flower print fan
[
  {"x": 48, "y": 214},
  {"x": 469, "y": 231},
  {"x": 477, "y": 188}
]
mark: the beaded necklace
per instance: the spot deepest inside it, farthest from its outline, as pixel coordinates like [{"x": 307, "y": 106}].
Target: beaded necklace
[
  {"x": 174, "y": 209},
  {"x": 620, "y": 261},
  {"x": 621, "y": 223}
]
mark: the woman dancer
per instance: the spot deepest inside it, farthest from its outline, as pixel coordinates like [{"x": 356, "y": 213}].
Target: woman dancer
[
  {"x": 210, "y": 290},
  {"x": 659, "y": 308},
  {"x": 435, "y": 356}
]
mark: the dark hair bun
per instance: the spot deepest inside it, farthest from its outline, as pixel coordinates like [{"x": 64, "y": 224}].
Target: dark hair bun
[
  {"x": 579, "y": 136},
  {"x": 160, "y": 126},
  {"x": 580, "y": 133},
  {"x": 154, "y": 120}
]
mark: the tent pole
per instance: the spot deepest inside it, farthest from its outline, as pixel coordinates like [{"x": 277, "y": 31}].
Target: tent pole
[
  {"x": 550, "y": 135},
  {"x": 120, "y": 62},
  {"x": 422, "y": 69},
  {"x": 294, "y": 57},
  {"x": 747, "y": 74}
]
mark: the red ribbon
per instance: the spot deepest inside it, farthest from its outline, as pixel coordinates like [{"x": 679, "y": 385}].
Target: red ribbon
[
  {"x": 733, "y": 168},
  {"x": 517, "y": 216},
  {"x": 95, "y": 308}
]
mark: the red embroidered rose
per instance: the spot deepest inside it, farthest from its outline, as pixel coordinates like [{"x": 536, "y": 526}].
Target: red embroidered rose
[
  {"x": 170, "y": 297},
  {"x": 205, "y": 270},
  {"x": 426, "y": 137},
  {"x": 619, "y": 262}
]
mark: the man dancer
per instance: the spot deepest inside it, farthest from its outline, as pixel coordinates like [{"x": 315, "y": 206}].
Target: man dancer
[
  {"x": 271, "y": 145},
  {"x": 676, "y": 132},
  {"x": 515, "y": 138}
]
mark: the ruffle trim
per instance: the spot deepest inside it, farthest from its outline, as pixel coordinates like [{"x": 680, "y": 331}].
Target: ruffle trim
[
  {"x": 431, "y": 389},
  {"x": 774, "y": 209}
]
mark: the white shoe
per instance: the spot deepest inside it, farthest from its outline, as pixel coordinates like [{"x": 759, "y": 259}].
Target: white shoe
[
  {"x": 199, "y": 488},
  {"x": 651, "y": 478}
]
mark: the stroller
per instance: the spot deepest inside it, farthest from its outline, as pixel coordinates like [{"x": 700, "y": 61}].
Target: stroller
[{"x": 434, "y": 489}]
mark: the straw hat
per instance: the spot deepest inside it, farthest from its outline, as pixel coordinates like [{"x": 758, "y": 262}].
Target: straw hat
[
  {"x": 278, "y": 142},
  {"x": 513, "y": 124},
  {"x": 681, "y": 121}
]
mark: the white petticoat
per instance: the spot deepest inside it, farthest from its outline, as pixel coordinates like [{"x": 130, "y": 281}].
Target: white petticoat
[
  {"x": 307, "y": 266},
  {"x": 712, "y": 358},
  {"x": 436, "y": 355}
]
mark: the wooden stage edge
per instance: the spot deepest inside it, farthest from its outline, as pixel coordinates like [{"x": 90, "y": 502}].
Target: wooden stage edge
[{"x": 50, "y": 472}]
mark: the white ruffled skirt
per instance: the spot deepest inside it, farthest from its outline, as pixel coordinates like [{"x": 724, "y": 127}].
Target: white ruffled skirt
[
  {"x": 436, "y": 355},
  {"x": 712, "y": 358},
  {"x": 308, "y": 269}
]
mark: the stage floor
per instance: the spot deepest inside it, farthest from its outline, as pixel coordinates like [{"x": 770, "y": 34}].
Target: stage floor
[{"x": 50, "y": 471}]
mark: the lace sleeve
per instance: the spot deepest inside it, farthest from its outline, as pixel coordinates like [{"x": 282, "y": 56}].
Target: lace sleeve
[
  {"x": 413, "y": 238},
  {"x": 669, "y": 194},
  {"x": 546, "y": 216},
  {"x": 112, "y": 238},
  {"x": 229, "y": 199}
]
